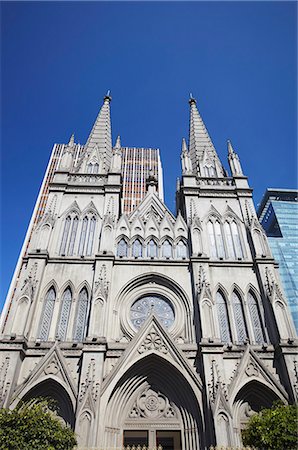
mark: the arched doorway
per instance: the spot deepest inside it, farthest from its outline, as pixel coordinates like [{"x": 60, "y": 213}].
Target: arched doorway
[
  {"x": 52, "y": 389},
  {"x": 251, "y": 398},
  {"x": 153, "y": 404}
]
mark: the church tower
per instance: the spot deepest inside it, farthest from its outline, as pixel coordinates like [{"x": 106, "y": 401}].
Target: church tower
[{"x": 147, "y": 327}]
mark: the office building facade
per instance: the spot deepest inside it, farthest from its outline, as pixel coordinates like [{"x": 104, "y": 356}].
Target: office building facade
[
  {"x": 278, "y": 214},
  {"x": 148, "y": 327}
]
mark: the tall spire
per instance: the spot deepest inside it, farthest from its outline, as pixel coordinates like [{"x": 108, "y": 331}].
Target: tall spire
[
  {"x": 101, "y": 135},
  {"x": 200, "y": 144},
  {"x": 234, "y": 161}
]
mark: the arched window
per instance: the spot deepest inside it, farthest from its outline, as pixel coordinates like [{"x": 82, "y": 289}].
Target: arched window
[
  {"x": 166, "y": 249},
  {"x": 64, "y": 314},
  {"x": 83, "y": 235},
  {"x": 151, "y": 249},
  {"x": 229, "y": 240},
  {"x": 89, "y": 167},
  {"x": 91, "y": 236},
  {"x": 223, "y": 319},
  {"x": 215, "y": 239},
  {"x": 122, "y": 248},
  {"x": 137, "y": 249},
  {"x": 210, "y": 171},
  {"x": 95, "y": 168},
  {"x": 239, "y": 318},
  {"x": 47, "y": 314},
  {"x": 236, "y": 240},
  {"x": 81, "y": 318},
  {"x": 73, "y": 236},
  {"x": 255, "y": 319},
  {"x": 65, "y": 235},
  {"x": 181, "y": 250}
]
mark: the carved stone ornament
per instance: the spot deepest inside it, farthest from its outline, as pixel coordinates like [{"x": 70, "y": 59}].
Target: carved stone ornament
[
  {"x": 216, "y": 383},
  {"x": 89, "y": 383},
  {"x": 4, "y": 383},
  {"x": 30, "y": 282},
  {"x": 152, "y": 405},
  {"x": 153, "y": 342},
  {"x": 202, "y": 284},
  {"x": 252, "y": 370},
  {"x": 53, "y": 368},
  {"x": 101, "y": 287}
]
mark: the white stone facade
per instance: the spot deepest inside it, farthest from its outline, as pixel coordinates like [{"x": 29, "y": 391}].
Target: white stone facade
[{"x": 210, "y": 340}]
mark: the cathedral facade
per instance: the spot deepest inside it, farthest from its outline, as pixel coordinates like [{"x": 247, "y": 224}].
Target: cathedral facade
[{"x": 147, "y": 327}]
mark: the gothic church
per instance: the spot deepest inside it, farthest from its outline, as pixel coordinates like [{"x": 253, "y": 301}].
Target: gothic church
[{"x": 148, "y": 328}]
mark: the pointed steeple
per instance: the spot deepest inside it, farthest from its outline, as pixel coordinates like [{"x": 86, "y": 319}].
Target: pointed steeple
[
  {"x": 200, "y": 144},
  {"x": 234, "y": 161},
  {"x": 101, "y": 136}
]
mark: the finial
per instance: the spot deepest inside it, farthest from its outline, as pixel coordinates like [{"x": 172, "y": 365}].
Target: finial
[
  {"x": 71, "y": 140},
  {"x": 107, "y": 96},
  {"x": 184, "y": 146},
  {"x": 230, "y": 147},
  {"x": 191, "y": 99},
  {"x": 118, "y": 143}
]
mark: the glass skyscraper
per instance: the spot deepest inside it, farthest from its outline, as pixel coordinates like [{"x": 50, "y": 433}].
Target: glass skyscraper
[{"x": 278, "y": 214}]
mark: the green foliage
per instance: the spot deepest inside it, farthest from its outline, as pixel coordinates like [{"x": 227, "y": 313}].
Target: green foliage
[
  {"x": 34, "y": 425},
  {"x": 273, "y": 429}
]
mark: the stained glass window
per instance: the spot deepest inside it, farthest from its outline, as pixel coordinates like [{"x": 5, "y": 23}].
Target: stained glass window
[
  {"x": 151, "y": 249},
  {"x": 181, "y": 250},
  {"x": 47, "y": 314},
  {"x": 239, "y": 318},
  {"x": 236, "y": 240},
  {"x": 73, "y": 235},
  {"x": 223, "y": 320},
  {"x": 91, "y": 236},
  {"x": 255, "y": 319},
  {"x": 83, "y": 236},
  {"x": 64, "y": 314},
  {"x": 81, "y": 319},
  {"x": 65, "y": 235},
  {"x": 137, "y": 249},
  {"x": 122, "y": 248},
  {"x": 157, "y": 305},
  {"x": 166, "y": 249}
]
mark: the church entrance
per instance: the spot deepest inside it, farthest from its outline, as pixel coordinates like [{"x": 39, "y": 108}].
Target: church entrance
[{"x": 152, "y": 438}]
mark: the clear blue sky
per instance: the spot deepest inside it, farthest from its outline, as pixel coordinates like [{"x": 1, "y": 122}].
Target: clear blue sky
[{"x": 58, "y": 60}]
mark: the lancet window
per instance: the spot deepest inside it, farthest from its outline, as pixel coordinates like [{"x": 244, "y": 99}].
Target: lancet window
[
  {"x": 223, "y": 319},
  {"x": 210, "y": 171},
  {"x": 73, "y": 234},
  {"x": 255, "y": 317},
  {"x": 65, "y": 235},
  {"x": 151, "y": 249},
  {"x": 166, "y": 249},
  {"x": 64, "y": 314},
  {"x": 92, "y": 167},
  {"x": 90, "y": 238},
  {"x": 239, "y": 318},
  {"x": 122, "y": 248},
  {"x": 215, "y": 239},
  {"x": 81, "y": 317},
  {"x": 181, "y": 250},
  {"x": 137, "y": 250},
  {"x": 47, "y": 314},
  {"x": 87, "y": 236},
  {"x": 234, "y": 246}
]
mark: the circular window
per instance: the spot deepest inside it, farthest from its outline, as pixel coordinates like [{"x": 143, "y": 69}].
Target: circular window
[{"x": 143, "y": 307}]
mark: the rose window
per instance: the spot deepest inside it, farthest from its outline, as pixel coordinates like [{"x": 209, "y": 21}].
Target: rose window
[{"x": 156, "y": 305}]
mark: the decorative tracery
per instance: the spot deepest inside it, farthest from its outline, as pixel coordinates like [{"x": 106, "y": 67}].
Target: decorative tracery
[
  {"x": 81, "y": 317},
  {"x": 64, "y": 314},
  {"x": 47, "y": 314}
]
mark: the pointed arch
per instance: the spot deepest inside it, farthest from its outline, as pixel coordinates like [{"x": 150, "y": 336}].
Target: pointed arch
[
  {"x": 20, "y": 319},
  {"x": 151, "y": 247},
  {"x": 122, "y": 247},
  {"x": 47, "y": 313},
  {"x": 86, "y": 419},
  {"x": 238, "y": 316},
  {"x": 137, "y": 247},
  {"x": 223, "y": 318},
  {"x": 80, "y": 326},
  {"x": 167, "y": 247},
  {"x": 65, "y": 308},
  {"x": 257, "y": 326},
  {"x": 207, "y": 320},
  {"x": 182, "y": 249}
]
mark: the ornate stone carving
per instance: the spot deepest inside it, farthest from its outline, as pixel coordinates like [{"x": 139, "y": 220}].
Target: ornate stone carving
[
  {"x": 216, "y": 383},
  {"x": 252, "y": 370},
  {"x": 52, "y": 368},
  {"x": 296, "y": 377},
  {"x": 89, "y": 383},
  {"x": 101, "y": 287},
  {"x": 202, "y": 284},
  {"x": 152, "y": 405},
  {"x": 30, "y": 282},
  {"x": 153, "y": 342},
  {"x": 271, "y": 285},
  {"x": 4, "y": 383}
]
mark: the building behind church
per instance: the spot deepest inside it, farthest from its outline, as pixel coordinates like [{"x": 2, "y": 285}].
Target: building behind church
[{"x": 147, "y": 327}]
